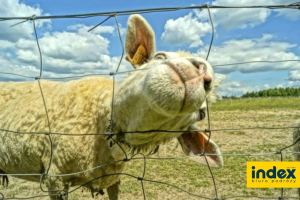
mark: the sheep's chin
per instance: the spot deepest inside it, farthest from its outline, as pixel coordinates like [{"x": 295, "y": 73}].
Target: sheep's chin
[{"x": 146, "y": 142}]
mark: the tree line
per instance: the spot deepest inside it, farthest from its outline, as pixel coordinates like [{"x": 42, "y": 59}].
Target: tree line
[{"x": 274, "y": 92}]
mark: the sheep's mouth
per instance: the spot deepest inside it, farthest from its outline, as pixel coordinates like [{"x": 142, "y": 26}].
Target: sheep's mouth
[{"x": 197, "y": 144}]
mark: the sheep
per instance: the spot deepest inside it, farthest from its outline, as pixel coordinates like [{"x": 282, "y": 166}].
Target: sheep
[
  {"x": 296, "y": 138},
  {"x": 168, "y": 91}
]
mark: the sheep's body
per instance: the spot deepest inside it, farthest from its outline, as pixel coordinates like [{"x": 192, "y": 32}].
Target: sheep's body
[
  {"x": 169, "y": 92},
  {"x": 73, "y": 107}
]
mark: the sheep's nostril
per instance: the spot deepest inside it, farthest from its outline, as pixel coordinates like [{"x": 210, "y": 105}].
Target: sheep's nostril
[
  {"x": 207, "y": 82},
  {"x": 207, "y": 79}
]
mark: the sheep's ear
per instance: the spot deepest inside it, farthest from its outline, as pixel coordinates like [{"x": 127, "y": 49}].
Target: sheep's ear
[
  {"x": 140, "y": 41},
  {"x": 194, "y": 144}
]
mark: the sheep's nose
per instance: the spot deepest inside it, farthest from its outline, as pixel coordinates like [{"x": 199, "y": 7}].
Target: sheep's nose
[
  {"x": 207, "y": 79},
  {"x": 203, "y": 71}
]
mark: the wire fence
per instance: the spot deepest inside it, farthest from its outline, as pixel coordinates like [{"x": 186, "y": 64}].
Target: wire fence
[{"x": 111, "y": 134}]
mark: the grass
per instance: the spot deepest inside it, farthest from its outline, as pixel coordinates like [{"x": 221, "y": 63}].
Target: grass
[
  {"x": 184, "y": 173},
  {"x": 257, "y": 104},
  {"x": 237, "y": 132}
]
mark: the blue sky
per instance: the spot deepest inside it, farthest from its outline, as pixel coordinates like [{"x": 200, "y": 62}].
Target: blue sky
[{"x": 240, "y": 35}]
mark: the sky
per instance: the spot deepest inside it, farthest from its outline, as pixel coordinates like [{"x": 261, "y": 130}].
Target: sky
[{"x": 241, "y": 35}]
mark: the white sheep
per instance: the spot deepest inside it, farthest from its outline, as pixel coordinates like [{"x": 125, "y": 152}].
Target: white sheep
[
  {"x": 296, "y": 137},
  {"x": 168, "y": 92}
]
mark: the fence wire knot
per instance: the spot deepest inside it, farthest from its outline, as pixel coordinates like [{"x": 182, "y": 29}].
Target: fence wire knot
[
  {"x": 278, "y": 152},
  {"x": 33, "y": 17},
  {"x": 207, "y": 131},
  {"x": 47, "y": 133},
  {"x": 64, "y": 195},
  {"x": 110, "y": 126},
  {"x": 42, "y": 176}
]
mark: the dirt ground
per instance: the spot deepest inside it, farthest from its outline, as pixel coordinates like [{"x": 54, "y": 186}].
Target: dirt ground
[{"x": 187, "y": 175}]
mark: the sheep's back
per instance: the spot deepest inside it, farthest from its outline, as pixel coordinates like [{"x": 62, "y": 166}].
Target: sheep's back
[{"x": 22, "y": 107}]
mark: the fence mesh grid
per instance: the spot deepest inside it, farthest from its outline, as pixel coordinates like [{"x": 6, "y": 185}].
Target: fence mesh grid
[{"x": 110, "y": 131}]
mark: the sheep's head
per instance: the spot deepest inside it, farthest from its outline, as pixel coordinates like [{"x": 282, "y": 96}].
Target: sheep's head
[{"x": 167, "y": 91}]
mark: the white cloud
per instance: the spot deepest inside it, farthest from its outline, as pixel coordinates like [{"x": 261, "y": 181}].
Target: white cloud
[
  {"x": 246, "y": 17},
  {"x": 4, "y": 44},
  {"x": 66, "y": 53},
  {"x": 229, "y": 87},
  {"x": 184, "y": 30},
  {"x": 234, "y": 88},
  {"x": 261, "y": 49},
  {"x": 192, "y": 27},
  {"x": 294, "y": 75},
  {"x": 266, "y": 86},
  {"x": 236, "y": 18},
  {"x": 292, "y": 14},
  {"x": 77, "y": 45},
  {"x": 288, "y": 84},
  {"x": 280, "y": 85},
  {"x": 83, "y": 29},
  {"x": 80, "y": 46},
  {"x": 14, "y": 8},
  {"x": 220, "y": 77}
]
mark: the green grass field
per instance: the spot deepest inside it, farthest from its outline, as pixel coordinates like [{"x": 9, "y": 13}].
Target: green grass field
[
  {"x": 257, "y": 104},
  {"x": 184, "y": 173}
]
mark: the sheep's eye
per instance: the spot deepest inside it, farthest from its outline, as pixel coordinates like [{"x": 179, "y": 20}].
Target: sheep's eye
[{"x": 160, "y": 57}]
